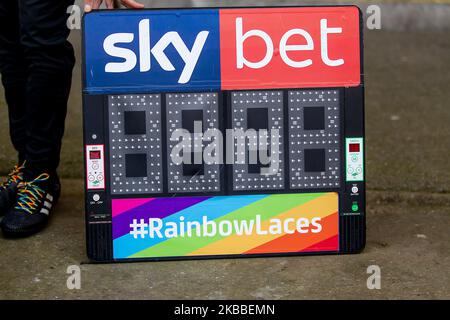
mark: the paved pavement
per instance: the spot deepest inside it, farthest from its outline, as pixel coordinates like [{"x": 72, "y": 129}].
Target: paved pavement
[
  {"x": 408, "y": 179},
  {"x": 407, "y": 237}
]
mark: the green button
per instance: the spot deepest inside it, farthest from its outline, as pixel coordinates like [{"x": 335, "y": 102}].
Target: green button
[{"x": 355, "y": 207}]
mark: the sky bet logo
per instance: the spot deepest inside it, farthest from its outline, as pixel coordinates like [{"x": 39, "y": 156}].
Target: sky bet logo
[
  {"x": 189, "y": 56},
  {"x": 214, "y": 49}
]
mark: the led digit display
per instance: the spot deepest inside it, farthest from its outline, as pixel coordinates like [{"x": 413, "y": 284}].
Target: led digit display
[
  {"x": 353, "y": 147},
  {"x": 314, "y": 139},
  {"x": 257, "y": 110},
  {"x": 182, "y": 111},
  {"x": 135, "y": 144},
  {"x": 94, "y": 155}
]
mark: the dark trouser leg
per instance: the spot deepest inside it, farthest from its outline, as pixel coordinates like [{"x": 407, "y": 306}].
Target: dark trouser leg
[
  {"x": 50, "y": 60},
  {"x": 14, "y": 74}
]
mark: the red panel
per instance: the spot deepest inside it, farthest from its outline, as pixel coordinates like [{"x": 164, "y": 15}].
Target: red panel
[
  {"x": 353, "y": 147},
  {"x": 298, "y": 243},
  {"x": 94, "y": 155},
  {"x": 330, "y": 244},
  {"x": 286, "y": 66}
]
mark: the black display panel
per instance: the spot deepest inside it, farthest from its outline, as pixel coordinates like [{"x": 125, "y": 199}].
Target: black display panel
[
  {"x": 193, "y": 169},
  {"x": 189, "y": 118},
  {"x": 258, "y": 118},
  {"x": 314, "y": 118},
  {"x": 314, "y": 160},
  {"x": 135, "y": 122},
  {"x": 136, "y": 165}
]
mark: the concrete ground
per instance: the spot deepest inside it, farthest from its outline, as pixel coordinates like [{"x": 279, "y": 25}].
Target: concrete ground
[
  {"x": 408, "y": 237},
  {"x": 408, "y": 213}
]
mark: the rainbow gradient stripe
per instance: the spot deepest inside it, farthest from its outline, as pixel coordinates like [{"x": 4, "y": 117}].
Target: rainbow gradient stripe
[{"x": 236, "y": 209}]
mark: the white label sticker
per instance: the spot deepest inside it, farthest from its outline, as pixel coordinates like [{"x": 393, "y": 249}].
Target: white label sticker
[
  {"x": 354, "y": 159},
  {"x": 95, "y": 167}
]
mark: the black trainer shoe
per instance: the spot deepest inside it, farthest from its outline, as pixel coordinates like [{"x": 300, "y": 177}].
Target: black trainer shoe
[
  {"x": 8, "y": 189},
  {"x": 35, "y": 202}
]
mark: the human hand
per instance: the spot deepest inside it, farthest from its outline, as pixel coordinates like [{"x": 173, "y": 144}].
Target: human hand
[{"x": 95, "y": 4}]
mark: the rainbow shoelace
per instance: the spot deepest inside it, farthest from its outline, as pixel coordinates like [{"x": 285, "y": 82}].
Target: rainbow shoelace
[
  {"x": 30, "y": 194},
  {"x": 16, "y": 176}
]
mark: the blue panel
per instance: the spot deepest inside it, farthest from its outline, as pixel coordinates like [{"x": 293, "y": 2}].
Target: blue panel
[{"x": 186, "y": 27}]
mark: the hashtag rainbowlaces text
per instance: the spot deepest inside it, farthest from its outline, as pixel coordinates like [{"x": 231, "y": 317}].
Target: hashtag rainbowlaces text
[{"x": 238, "y": 209}]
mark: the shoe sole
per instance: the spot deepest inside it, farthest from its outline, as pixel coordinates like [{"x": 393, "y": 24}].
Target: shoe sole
[{"x": 22, "y": 233}]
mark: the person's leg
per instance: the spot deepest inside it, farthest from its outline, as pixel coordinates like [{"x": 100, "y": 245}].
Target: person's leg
[
  {"x": 14, "y": 78},
  {"x": 50, "y": 60},
  {"x": 14, "y": 75}
]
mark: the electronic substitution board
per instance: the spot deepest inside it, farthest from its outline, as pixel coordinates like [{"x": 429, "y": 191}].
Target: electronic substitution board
[{"x": 293, "y": 73}]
